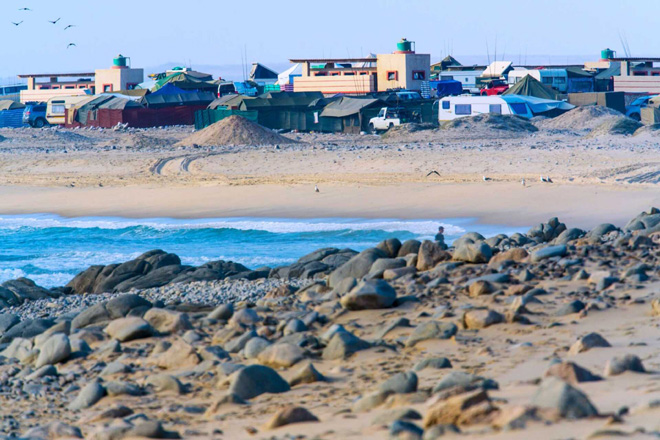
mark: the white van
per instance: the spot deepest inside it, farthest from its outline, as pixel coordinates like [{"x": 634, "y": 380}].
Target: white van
[
  {"x": 554, "y": 78},
  {"x": 453, "y": 107},
  {"x": 57, "y": 106}
]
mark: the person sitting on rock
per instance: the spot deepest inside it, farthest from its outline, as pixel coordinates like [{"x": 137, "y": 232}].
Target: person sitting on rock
[{"x": 440, "y": 237}]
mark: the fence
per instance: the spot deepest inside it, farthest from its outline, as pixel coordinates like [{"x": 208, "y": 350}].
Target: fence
[{"x": 204, "y": 118}]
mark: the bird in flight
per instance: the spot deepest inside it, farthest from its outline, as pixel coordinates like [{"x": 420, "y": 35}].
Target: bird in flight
[
  {"x": 69, "y": 26},
  {"x": 25, "y": 9},
  {"x": 54, "y": 22},
  {"x": 433, "y": 172},
  {"x": 16, "y": 24},
  {"x": 71, "y": 45}
]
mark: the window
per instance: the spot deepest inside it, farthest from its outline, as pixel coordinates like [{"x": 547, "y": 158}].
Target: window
[
  {"x": 445, "y": 105},
  {"x": 320, "y": 74},
  {"x": 392, "y": 75},
  {"x": 381, "y": 114},
  {"x": 130, "y": 86},
  {"x": 655, "y": 73},
  {"x": 546, "y": 80},
  {"x": 495, "y": 108},
  {"x": 69, "y": 87},
  {"x": 363, "y": 73},
  {"x": 463, "y": 109},
  {"x": 519, "y": 108},
  {"x": 107, "y": 88},
  {"x": 419, "y": 75},
  {"x": 560, "y": 80},
  {"x": 349, "y": 73},
  {"x": 58, "y": 109},
  {"x": 334, "y": 73}
]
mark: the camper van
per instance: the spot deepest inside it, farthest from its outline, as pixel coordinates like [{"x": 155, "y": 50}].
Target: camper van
[
  {"x": 555, "y": 78},
  {"x": 56, "y": 108},
  {"x": 454, "y": 107}
]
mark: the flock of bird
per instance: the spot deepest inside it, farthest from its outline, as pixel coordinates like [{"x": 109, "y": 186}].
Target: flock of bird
[
  {"x": 54, "y": 22},
  {"x": 543, "y": 179}
]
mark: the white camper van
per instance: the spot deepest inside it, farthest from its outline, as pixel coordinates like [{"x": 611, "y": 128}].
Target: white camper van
[
  {"x": 555, "y": 78},
  {"x": 453, "y": 107}
]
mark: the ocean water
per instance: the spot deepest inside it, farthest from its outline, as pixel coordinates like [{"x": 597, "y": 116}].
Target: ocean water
[{"x": 50, "y": 250}]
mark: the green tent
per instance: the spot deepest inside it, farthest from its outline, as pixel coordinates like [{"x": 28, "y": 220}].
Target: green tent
[
  {"x": 188, "y": 81},
  {"x": 529, "y": 86}
]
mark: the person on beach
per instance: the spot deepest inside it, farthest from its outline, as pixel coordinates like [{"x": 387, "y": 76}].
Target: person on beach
[{"x": 440, "y": 237}]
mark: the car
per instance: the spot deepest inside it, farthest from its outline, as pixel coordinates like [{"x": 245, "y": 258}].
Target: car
[
  {"x": 389, "y": 117},
  {"x": 494, "y": 87},
  {"x": 34, "y": 115},
  {"x": 634, "y": 110}
]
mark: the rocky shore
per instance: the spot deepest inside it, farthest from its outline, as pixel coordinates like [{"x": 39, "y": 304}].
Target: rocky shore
[{"x": 548, "y": 334}]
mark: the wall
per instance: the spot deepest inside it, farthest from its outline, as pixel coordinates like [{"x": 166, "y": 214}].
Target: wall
[
  {"x": 330, "y": 85},
  {"x": 404, "y": 64},
  {"x": 637, "y": 84},
  {"x": 45, "y": 95},
  {"x": 118, "y": 78}
]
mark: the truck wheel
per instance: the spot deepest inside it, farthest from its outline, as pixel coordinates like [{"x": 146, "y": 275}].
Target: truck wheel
[
  {"x": 39, "y": 123},
  {"x": 390, "y": 126},
  {"x": 372, "y": 129}
]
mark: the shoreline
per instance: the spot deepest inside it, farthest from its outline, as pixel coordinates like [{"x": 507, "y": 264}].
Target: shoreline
[{"x": 491, "y": 203}]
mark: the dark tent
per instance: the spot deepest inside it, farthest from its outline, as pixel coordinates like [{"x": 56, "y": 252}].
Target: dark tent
[
  {"x": 88, "y": 109},
  {"x": 529, "y": 86},
  {"x": 349, "y": 115},
  {"x": 171, "y": 89},
  {"x": 179, "y": 99},
  {"x": 189, "y": 81},
  {"x": 261, "y": 72}
]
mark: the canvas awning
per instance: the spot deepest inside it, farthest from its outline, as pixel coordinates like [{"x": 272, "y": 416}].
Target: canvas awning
[{"x": 347, "y": 106}]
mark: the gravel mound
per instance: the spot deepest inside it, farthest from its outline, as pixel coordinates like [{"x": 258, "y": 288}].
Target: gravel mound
[
  {"x": 580, "y": 119},
  {"x": 620, "y": 125},
  {"x": 235, "y": 130},
  {"x": 648, "y": 130},
  {"x": 405, "y": 129},
  {"x": 490, "y": 121}
]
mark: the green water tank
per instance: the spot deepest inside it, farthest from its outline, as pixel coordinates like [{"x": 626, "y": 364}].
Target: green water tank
[
  {"x": 607, "y": 54},
  {"x": 119, "y": 61},
  {"x": 404, "y": 45}
]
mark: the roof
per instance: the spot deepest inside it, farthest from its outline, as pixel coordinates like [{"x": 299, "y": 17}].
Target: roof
[
  {"x": 186, "y": 80},
  {"x": 347, "y": 106},
  {"x": 636, "y": 59},
  {"x": 229, "y": 101},
  {"x": 613, "y": 70},
  {"x": 196, "y": 98},
  {"x": 7, "y": 104},
  {"x": 55, "y": 75},
  {"x": 578, "y": 72},
  {"x": 333, "y": 60},
  {"x": 259, "y": 71},
  {"x": 530, "y": 86},
  {"x": 497, "y": 68}
]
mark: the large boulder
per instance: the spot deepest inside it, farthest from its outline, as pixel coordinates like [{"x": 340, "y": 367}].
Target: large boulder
[
  {"x": 282, "y": 355},
  {"x": 431, "y": 330},
  {"x": 372, "y": 294},
  {"x": 57, "y": 348},
  {"x": 28, "y": 328},
  {"x": 115, "y": 308},
  {"x": 463, "y": 409},
  {"x": 390, "y": 246},
  {"x": 645, "y": 223},
  {"x": 128, "y": 329},
  {"x": 167, "y": 321},
  {"x": 255, "y": 380},
  {"x": 475, "y": 252},
  {"x": 211, "y": 271},
  {"x": 409, "y": 247},
  {"x": 567, "y": 401},
  {"x": 342, "y": 345},
  {"x": 481, "y": 318},
  {"x": 547, "y": 231},
  {"x": 430, "y": 253},
  {"x": 559, "y": 250},
  {"x": 357, "y": 267},
  {"x": 24, "y": 289}
]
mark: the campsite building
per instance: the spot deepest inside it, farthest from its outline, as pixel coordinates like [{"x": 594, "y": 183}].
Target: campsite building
[
  {"x": 403, "y": 69},
  {"x": 119, "y": 77}
]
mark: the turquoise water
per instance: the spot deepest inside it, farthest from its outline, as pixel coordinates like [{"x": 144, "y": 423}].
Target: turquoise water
[{"x": 51, "y": 249}]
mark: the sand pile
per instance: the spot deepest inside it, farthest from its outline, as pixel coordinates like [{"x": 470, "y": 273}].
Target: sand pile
[
  {"x": 648, "y": 130},
  {"x": 580, "y": 119},
  {"x": 405, "y": 129},
  {"x": 619, "y": 125},
  {"x": 490, "y": 121},
  {"x": 235, "y": 130}
]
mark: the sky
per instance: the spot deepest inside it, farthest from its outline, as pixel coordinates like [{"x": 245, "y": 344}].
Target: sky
[{"x": 217, "y": 34}]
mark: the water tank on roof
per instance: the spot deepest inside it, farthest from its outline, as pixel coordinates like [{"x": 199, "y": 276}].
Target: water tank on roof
[
  {"x": 607, "y": 54},
  {"x": 404, "y": 45},
  {"x": 120, "y": 61}
]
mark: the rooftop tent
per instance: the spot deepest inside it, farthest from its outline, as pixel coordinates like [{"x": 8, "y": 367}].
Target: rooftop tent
[
  {"x": 180, "y": 99},
  {"x": 540, "y": 106},
  {"x": 171, "y": 89},
  {"x": 287, "y": 76},
  {"x": 10, "y": 105},
  {"x": 259, "y": 71},
  {"x": 497, "y": 69},
  {"x": 188, "y": 81},
  {"x": 529, "y": 86}
]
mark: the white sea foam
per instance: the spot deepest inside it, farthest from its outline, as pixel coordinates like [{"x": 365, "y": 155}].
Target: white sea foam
[{"x": 274, "y": 225}]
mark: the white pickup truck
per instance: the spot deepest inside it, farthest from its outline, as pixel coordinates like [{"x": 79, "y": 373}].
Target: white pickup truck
[{"x": 389, "y": 117}]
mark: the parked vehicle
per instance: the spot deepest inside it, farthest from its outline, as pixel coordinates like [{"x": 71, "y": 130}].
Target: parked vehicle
[
  {"x": 467, "y": 78},
  {"x": 634, "y": 110},
  {"x": 34, "y": 115},
  {"x": 555, "y": 78},
  {"x": 494, "y": 87},
  {"x": 453, "y": 107},
  {"x": 226, "y": 88},
  {"x": 56, "y": 108},
  {"x": 389, "y": 117},
  {"x": 408, "y": 96}
]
